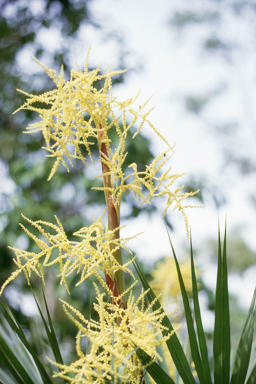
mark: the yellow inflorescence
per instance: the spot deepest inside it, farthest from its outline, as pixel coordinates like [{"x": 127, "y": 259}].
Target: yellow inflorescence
[
  {"x": 76, "y": 114},
  {"x": 74, "y": 110},
  {"x": 72, "y": 115},
  {"x": 111, "y": 342},
  {"x": 94, "y": 253}
]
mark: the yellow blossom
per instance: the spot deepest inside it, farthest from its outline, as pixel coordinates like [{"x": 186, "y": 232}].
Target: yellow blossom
[
  {"x": 111, "y": 342},
  {"x": 77, "y": 114},
  {"x": 94, "y": 253},
  {"x": 74, "y": 110}
]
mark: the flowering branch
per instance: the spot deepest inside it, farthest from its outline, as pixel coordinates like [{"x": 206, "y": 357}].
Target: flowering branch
[{"x": 76, "y": 114}]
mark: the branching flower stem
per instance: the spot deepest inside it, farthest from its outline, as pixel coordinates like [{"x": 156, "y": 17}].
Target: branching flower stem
[{"x": 73, "y": 116}]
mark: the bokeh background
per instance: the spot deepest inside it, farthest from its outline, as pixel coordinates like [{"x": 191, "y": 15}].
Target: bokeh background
[{"x": 200, "y": 59}]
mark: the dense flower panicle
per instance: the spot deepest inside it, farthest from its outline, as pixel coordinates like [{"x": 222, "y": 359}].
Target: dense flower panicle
[
  {"x": 94, "y": 253},
  {"x": 77, "y": 113},
  {"x": 110, "y": 342},
  {"x": 74, "y": 111}
]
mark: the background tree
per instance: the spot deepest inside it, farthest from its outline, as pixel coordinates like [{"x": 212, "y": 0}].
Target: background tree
[{"x": 25, "y": 30}]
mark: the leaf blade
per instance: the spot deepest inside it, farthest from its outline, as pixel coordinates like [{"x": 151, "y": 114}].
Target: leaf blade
[
  {"x": 13, "y": 364},
  {"x": 221, "y": 335},
  {"x": 189, "y": 320},
  {"x": 155, "y": 371},
  {"x": 49, "y": 330},
  {"x": 199, "y": 324},
  {"x": 243, "y": 353},
  {"x": 173, "y": 343},
  {"x": 16, "y": 327}
]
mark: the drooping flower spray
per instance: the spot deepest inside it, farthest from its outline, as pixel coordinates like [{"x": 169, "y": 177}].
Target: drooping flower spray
[{"x": 75, "y": 116}]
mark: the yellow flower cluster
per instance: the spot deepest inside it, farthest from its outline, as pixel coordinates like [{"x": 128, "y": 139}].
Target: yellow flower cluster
[
  {"x": 77, "y": 114},
  {"x": 94, "y": 253},
  {"x": 74, "y": 110},
  {"x": 110, "y": 343},
  {"x": 145, "y": 184}
]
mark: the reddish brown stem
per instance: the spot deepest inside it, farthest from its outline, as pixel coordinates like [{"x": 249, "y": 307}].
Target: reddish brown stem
[
  {"x": 113, "y": 287},
  {"x": 113, "y": 214},
  {"x": 116, "y": 285}
]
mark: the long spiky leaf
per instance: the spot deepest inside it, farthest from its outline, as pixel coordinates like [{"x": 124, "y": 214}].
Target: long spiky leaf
[
  {"x": 10, "y": 367},
  {"x": 55, "y": 344},
  {"x": 221, "y": 338},
  {"x": 14, "y": 324},
  {"x": 155, "y": 371},
  {"x": 189, "y": 320},
  {"x": 51, "y": 338},
  {"x": 13, "y": 363},
  {"x": 252, "y": 376},
  {"x": 199, "y": 325},
  {"x": 243, "y": 353},
  {"x": 173, "y": 343}
]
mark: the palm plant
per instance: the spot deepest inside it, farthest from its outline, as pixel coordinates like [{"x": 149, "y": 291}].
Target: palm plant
[{"x": 126, "y": 338}]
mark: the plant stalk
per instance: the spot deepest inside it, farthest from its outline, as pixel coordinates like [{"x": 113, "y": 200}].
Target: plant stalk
[{"x": 116, "y": 285}]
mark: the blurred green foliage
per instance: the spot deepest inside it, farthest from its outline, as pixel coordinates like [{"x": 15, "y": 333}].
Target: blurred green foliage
[
  {"x": 24, "y": 169},
  {"x": 23, "y": 166}
]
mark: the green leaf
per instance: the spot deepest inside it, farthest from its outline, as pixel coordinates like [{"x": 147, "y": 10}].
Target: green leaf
[
  {"x": 243, "y": 353},
  {"x": 19, "y": 350},
  {"x": 221, "y": 336},
  {"x": 189, "y": 320},
  {"x": 49, "y": 330},
  {"x": 252, "y": 377},
  {"x": 173, "y": 343},
  {"x": 16, "y": 327},
  {"x": 10, "y": 367},
  {"x": 155, "y": 371},
  {"x": 199, "y": 325},
  {"x": 13, "y": 364},
  {"x": 5, "y": 379}
]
